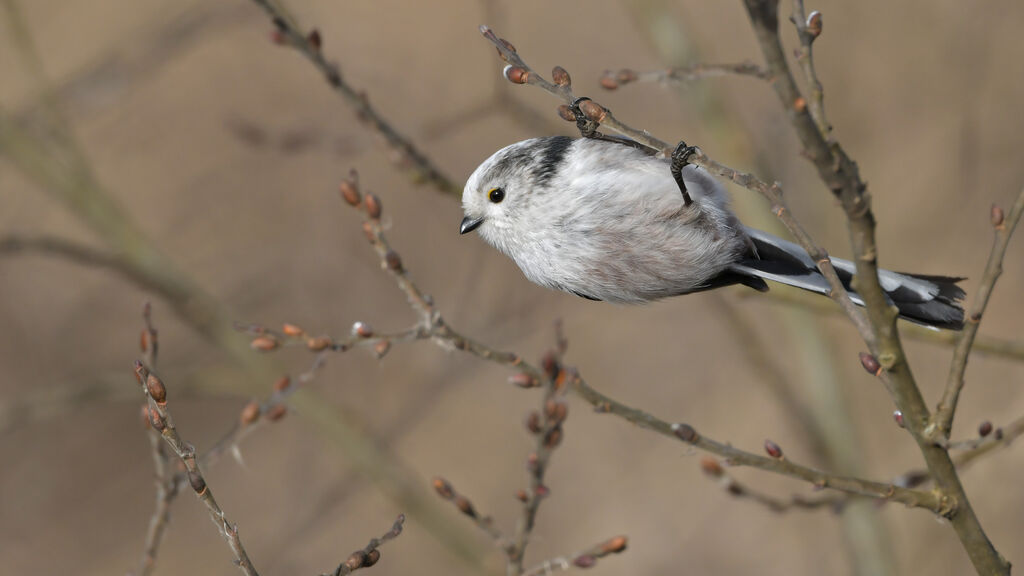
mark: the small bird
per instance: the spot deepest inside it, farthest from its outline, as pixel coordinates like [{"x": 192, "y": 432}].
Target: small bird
[{"x": 606, "y": 220}]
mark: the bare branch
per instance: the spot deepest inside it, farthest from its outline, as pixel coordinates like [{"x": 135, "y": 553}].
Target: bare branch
[
  {"x": 369, "y": 555},
  {"x": 613, "y": 79},
  {"x": 584, "y": 559},
  {"x": 942, "y": 421}
]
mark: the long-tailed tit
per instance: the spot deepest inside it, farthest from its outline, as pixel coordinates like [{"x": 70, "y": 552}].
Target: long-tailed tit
[{"x": 606, "y": 221}]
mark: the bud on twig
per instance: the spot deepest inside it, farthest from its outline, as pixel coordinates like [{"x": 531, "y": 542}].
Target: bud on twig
[
  {"x": 373, "y": 206},
  {"x": 393, "y": 261},
  {"x": 533, "y": 423},
  {"x": 156, "y": 389},
  {"x": 553, "y": 438},
  {"x": 984, "y": 429},
  {"x": 156, "y": 420},
  {"x": 800, "y": 104},
  {"x": 355, "y": 560},
  {"x": 250, "y": 413},
  {"x": 465, "y": 506},
  {"x": 898, "y": 417},
  {"x": 550, "y": 364},
  {"x": 711, "y": 467},
  {"x": 521, "y": 495},
  {"x": 276, "y": 412},
  {"x": 443, "y": 488},
  {"x": 371, "y": 558},
  {"x": 593, "y": 111},
  {"x": 997, "y": 217},
  {"x": 814, "y": 24},
  {"x": 317, "y": 344},
  {"x": 772, "y": 449},
  {"x": 614, "y": 546},
  {"x": 195, "y": 480},
  {"x": 263, "y": 343},
  {"x": 362, "y": 329},
  {"x": 349, "y": 189},
  {"x": 870, "y": 363},
  {"x": 522, "y": 380},
  {"x": 685, "y": 432},
  {"x": 566, "y": 113},
  {"x": 584, "y": 561},
  {"x": 608, "y": 81},
  {"x": 516, "y": 74},
  {"x": 291, "y": 330},
  {"x": 282, "y": 384},
  {"x": 381, "y": 348},
  {"x": 314, "y": 39},
  {"x": 560, "y": 76}
]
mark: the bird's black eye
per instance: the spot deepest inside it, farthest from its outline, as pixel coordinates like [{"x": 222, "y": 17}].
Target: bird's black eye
[{"x": 496, "y": 195}]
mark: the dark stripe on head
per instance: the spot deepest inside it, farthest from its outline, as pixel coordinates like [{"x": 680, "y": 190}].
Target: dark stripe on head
[{"x": 550, "y": 156}]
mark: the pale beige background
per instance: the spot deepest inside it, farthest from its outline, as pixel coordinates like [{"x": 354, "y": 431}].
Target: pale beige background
[{"x": 925, "y": 97}]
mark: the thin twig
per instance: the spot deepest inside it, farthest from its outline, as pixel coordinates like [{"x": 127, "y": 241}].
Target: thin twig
[
  {"x": 309, "y": 46},
  {"x": 583, "y": 559},
  {"x": 369, "y": 555},
  {"x": 613, "y": 79},
  {"x": 808, "y": 29},
  {"x": 714, "y": 469},
  {"x": 942, "y": 421}
]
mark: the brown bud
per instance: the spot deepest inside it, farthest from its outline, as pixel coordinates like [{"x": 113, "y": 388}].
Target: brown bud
[
  {"x": 465, "y": 506},
  {"x": 443, "y": 488},
  {"x": 625, "y": 76},
  {"x": 533, "y": 423},
  {"x": 144, "y": 340},
  {"x": 814, "y": 24},
  {"x": 522, "y": 380},
  {"x": 314, "y": 39},
  {"x": 282, "y": 384},
  {"x": 772, "y": 449},
  {"x": 516, "y": 74},
  {"x": 553, "y": 437},
  {"x": 997, "y": 216},
  {"x": 560, "y": 76},
  {"x": 870, "y": 363},
  {"x": 141, "y": 373},
  {"x": 373, "y": 206},
  {"x": 393, "y": 261},
  {"x": 263, "y": 343},
  {"x": 195, "y": 480},
  {"x": 711, "y": 467},
  {"x": 608, "y": 82},
  {"x": 381, "y": 348},
  {"x": 593, "y": 111},
  {"x": 250, "y": 413},
  {"x": 985, "y": 428},
  {"x": 156, "y": 389},
  {"x": 566, "y": 113},
  {"x": 156, "y": 420},
  {"x": 556, "y": 410},
  {"x": 541, "y": 491},
  {"x": 349, "y": 189},
  {"x": 317, "y": 344},
  {"x": 897, "y": 416},
  {"x": 800, "y": 104},
  {"x": 292, "y": 330},
  {"x": 145, "y": 416},
  {"x": 521, "y": 495},
  {"x": 584, "y": 561},
  {"x": 362, "y": 329},
  {"x": 355, "y": 560},
  {"x": 550, "y": 364},
  {"x": 614, "y": 546},
  {"x": 685, "y": 432},
  {"x": 276, "y": 412},
  {"x": 369, "y": 232},
  {"x": 371, "y": 558}
]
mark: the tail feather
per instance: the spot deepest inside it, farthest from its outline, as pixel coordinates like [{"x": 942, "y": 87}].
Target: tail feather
[{"x": 923, "y": 299}]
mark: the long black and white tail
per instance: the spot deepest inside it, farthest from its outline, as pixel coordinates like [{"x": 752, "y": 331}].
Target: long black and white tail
[{"x": 929, "y": 300}]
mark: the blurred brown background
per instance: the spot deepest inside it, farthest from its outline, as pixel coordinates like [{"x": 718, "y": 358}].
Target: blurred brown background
[{"x": 227, "y": 151}]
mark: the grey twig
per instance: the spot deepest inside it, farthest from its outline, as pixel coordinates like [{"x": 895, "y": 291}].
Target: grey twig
[{"x": 613, "y": 79}]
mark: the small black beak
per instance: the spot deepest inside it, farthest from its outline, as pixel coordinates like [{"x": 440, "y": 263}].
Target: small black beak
[{"x": 469, "y": 224}]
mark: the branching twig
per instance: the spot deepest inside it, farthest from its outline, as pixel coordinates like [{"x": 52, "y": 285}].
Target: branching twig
[
  {"x": 308, "y": 44},
  {"x": 808, "y": 28},
  {"x": 584, "y": 559},
  {"x": 369, "y": 555},
  {"x": 613, "y": 79},
  {"x": 445, "y": 490},
  {"x": 714, "y": 469},
  {"x": 942, "y": 421}
]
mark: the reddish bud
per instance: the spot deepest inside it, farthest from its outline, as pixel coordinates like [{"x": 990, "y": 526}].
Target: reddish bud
[
  {"x": 553, "y": 437},
  {"x": 711, "y": 467},
  {"x": 145, "y": 416},
  {"x": 317, "y": 344},
  {"x": 195, "y": 480},
  {"x": 371, "y": 558},
  {"x": 800, "y": 104},
  {"x": 566, "y": 113},
  {"x": 465, "y": 506},
  {"x": 556, "y": 410},
  {"x": 593, "y": 111},
  {"x": 314, "y": 39},
  {"x": 141, "y": 373},
  {"x": 393, "y": 261},
  {"x": 984, "y": 429},
  {"x": 349, "y": 189},
  {"x": 362, "y": 329},
  {"x": 550, "y": 364},
  {"x": 443, "y": 488},
  {"x": 156, "y": 389},
  {"x": 521, "y": 495},
  {"x": 533, "y": 423},
  {"x": 608, "y": 82},
  {"x": 814, "y": 24},
  {"x": 772, "y": 449},
  {"x": 541, "y": 491},
  {"x": 584, "y": 561},
  {"x": 522, "y": 380},
  {"x": 250, "y": 413},
  {"x": 898, "y": 417},
  {"x": 144, "y": 340},
  {"x": 291, "y": 330},
  {"x": 381, "y": 348},
  {"x": 282, "y": 384},
  {"x": 870, "y": 364},
  {"x": 560, "y": 76},
  {"x": 516, "y": 74},
  {"x": 373, "y": 206},
  {"x": 369, "y": 232},
  {"x": 156, "y": 420},
  {"x": 997, "y": 216},
  {"x": 685, "y": 432},
  {"x": 276, "y": 412},
  {"x": 263, "y": 343},
  {"x": 614, "y": 546}
]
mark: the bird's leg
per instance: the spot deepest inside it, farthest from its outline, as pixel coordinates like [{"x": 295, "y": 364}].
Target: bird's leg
[
  {"x": 586, "y": 126},
  {"x": 680, "y": 158}
]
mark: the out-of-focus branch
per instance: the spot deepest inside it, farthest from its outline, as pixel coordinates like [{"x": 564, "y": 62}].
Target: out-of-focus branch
[
  {"x": 613, "y": 79},
  {"x": 518, "y": 72},
  {"x": 309, "y": 45},
  {"x": 714, "y": 469},
  {"x": 1004, "y": 225},
  {"x": 841, "y": 175},
  {"x": 583, "y": 559}
]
